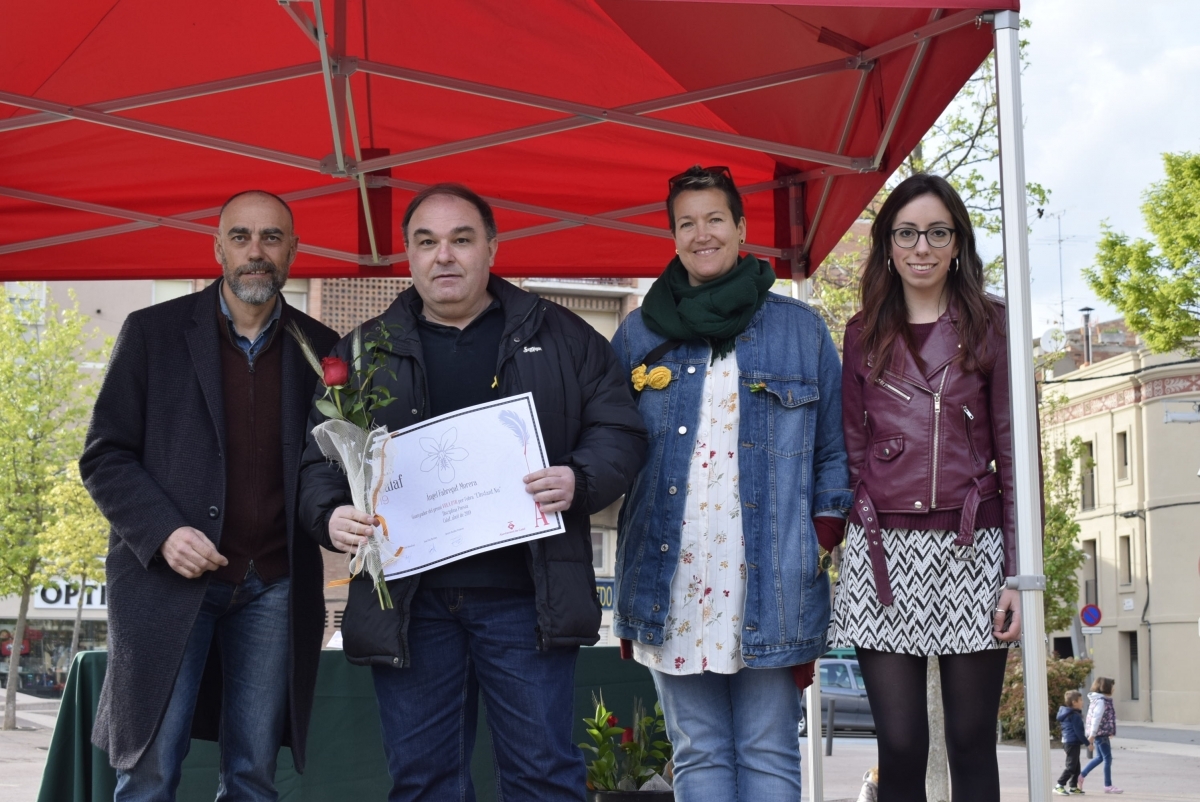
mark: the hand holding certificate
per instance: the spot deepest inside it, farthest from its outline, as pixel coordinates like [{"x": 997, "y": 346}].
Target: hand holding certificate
[{"x": 452, "y": 486}]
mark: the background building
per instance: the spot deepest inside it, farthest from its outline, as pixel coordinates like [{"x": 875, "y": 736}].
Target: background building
[{"x": 1139, "y": 500}]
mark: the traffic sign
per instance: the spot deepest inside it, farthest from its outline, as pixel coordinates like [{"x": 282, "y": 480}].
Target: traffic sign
[
  {"x": 1091, "y": 630},
  {"x": 1090, "y": 615}
]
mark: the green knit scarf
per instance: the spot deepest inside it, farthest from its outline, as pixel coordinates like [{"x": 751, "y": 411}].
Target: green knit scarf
[{"x": 716, "y": 311}]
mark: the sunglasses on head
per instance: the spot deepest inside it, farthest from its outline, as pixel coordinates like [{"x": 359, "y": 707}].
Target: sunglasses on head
[{"x": 715, "y": 170}]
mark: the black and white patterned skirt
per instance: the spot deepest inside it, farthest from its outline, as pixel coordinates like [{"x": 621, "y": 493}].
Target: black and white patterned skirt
[{"x": 944, "y": 597}]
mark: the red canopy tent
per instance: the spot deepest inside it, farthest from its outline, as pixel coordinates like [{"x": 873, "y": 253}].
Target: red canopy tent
[{"x": 124, "y": 124}]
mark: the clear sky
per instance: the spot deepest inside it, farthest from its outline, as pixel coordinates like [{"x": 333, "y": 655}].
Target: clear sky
[{"x": 1110, "y": 86}]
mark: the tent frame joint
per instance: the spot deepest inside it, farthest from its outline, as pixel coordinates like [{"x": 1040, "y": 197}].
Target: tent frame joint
[
  {"x": 1002, "y": 20},
  {"x": 1036, "y": 582}
]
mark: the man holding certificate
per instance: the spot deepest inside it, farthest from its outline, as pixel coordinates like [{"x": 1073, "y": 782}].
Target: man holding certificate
[{"x": 481, "y": 615}]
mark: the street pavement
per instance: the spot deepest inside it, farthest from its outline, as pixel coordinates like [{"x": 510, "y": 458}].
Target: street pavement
[{"x": 1152, "y": 763}]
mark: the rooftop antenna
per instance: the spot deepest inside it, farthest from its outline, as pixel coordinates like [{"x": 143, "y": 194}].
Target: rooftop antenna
[{"x": 1087, "y": 334}]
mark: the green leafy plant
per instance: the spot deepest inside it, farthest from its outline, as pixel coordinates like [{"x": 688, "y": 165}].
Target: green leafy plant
[
  {"x": 1061, "y": 676},
  {"x": 625, "y": 758}
]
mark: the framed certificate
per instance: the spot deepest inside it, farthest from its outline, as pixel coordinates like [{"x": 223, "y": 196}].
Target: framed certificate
[{"x": 451, "y": 486}]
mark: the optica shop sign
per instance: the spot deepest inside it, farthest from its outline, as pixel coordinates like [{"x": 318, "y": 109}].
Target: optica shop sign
[{"x": 61, "y": 596}]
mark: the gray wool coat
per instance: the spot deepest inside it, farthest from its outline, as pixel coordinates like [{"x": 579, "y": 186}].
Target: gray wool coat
[{"x": 153, "y": 462}]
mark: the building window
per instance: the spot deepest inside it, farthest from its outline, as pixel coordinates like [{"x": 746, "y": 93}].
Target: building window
[
  {"x": 1134, "y": 674},
  {"x": 1090, "y": 592},
  {"x": 1087, "y": 476},
  {"x": 1122, "y": 456},
  {"x": 1125, "y": 560},
  {"x": 170, "y": 289},
  {"x": 602, "y": 554},
  {"x": 295, "y": 292}
]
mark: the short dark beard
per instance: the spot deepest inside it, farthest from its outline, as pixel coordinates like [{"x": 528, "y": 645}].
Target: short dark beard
[{"x": 255, "y": 294}]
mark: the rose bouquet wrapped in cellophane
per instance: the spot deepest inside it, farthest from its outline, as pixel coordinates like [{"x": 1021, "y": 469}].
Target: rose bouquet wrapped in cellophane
[{"x": 350, "y": 439}]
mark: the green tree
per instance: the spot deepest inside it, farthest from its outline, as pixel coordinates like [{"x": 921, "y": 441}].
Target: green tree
[
  {"x": 1156, "y": 285},
  {"x": 45, "y": 398},
  {"x": 1061, "y": 555},
  {"x": 75, "y": 542}
]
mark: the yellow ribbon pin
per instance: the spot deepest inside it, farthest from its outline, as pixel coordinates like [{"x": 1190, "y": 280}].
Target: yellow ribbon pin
[{"x": 657, "y": 378}]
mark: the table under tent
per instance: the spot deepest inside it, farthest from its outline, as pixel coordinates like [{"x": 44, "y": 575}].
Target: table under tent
[{"x": 124, "y": 124}]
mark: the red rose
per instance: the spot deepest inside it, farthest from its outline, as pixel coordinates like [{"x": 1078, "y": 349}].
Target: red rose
[
  {"x": 627, "y": 736},
  {"x": 337, "y": 372},
  {"x": 612, "y": 720}
]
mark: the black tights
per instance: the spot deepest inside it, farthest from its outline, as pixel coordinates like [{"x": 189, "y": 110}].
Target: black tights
[{"x": 971, "y": 685}]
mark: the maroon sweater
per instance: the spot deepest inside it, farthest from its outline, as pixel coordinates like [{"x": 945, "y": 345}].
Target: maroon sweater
[{"x": 255, "y": 525}]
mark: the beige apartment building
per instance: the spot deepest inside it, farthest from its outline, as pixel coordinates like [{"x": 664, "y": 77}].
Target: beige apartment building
[{"x": 1138, "y": 415}]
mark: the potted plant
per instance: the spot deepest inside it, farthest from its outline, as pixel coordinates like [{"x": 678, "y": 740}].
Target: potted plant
[{"x": 628, "y": 763}]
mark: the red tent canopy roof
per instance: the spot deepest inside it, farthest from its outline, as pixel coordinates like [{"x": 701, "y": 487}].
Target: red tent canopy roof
[{"x": 124, "y": 124}]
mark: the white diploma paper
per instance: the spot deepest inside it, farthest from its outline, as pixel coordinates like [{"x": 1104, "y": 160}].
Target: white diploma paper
[{"x": 451, "y": 486}]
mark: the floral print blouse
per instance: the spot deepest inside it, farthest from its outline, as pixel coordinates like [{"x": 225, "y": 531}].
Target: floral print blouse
[{"x": 708, "y": 590}]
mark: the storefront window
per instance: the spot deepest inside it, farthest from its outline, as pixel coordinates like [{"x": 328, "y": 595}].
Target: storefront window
[{"x": 44, "y": 666}]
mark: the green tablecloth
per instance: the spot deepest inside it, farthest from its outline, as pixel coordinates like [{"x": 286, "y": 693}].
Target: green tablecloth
[{"x": 345, "y": 749}]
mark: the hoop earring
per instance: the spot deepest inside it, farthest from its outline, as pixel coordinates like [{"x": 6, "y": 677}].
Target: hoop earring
[
  {"x": 955, "y": 265},
  {"x": 891, "y": 267}
]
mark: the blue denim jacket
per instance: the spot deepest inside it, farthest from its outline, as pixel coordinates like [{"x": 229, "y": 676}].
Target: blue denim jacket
[{"x": 792, "y": 466}]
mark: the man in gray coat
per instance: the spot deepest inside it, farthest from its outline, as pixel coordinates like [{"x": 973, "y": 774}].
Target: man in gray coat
[{"x": 193, "y": 454}]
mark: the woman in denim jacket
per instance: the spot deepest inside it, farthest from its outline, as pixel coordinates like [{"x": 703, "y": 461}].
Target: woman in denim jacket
[{"x": 720, "y": 582}]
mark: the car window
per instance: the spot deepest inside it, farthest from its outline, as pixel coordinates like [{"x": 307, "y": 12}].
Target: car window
[
  {"x": 858, "y": 678},
  {"x": 835, "y": 675}
]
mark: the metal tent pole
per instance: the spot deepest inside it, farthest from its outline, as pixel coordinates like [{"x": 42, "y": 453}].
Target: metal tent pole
[{"x": 1026, "y": 481}]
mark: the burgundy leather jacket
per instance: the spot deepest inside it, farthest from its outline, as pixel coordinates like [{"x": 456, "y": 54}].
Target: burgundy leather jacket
[{"x": 926, "y": 441}]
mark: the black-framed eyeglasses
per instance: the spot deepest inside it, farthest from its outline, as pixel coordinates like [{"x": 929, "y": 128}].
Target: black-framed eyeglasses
[
  {"x": 714, "y": 170},
  {"x": 937, "y": 237}
]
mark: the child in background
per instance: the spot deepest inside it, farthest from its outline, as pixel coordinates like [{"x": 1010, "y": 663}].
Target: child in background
[
  {"x": 1070, "y": 719},
  {"x": 1101, "y": 725}
]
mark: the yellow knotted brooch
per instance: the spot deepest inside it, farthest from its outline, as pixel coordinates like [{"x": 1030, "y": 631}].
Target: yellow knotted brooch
[{"x": 657, "y": 379}]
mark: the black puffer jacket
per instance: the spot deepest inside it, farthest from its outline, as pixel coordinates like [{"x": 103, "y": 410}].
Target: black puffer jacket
[{"x": 588, "y": 419}]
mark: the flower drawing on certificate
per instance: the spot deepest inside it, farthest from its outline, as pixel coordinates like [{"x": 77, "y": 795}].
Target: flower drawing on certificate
[{"x": 442, "y": 455}]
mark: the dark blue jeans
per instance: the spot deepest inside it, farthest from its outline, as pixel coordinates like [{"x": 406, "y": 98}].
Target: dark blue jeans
[
  {"x": 463, "y": 641},
  {"x": 250, "y": 623},
  {"x": 1103, "y": 753}
]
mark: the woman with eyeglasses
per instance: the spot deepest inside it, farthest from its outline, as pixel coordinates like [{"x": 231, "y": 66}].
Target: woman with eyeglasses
[
  {"x": 931, "y": 535},
  {"x": 721, "y": 586}
]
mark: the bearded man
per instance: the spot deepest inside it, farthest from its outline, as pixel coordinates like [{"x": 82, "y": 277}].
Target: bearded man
[{"x": 215, "y": 609}]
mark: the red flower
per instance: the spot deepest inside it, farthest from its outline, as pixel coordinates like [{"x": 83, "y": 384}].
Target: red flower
[
  {"x": 337, "y": 372},
  {"x": 707, "y": 591},
  {"x": 679, "y": 661},
  {"x": 726, "y": 592},
  {"x": 712, "y": 454},
  {"x": 627, "y": 736},
  {"x": 612, "y": 720}
]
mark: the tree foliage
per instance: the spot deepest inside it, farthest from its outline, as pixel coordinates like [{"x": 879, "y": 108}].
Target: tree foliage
[
  {"x": 1061, "y": 555},
  {"x": 963, "y": 147},
  {"x": 1156, "y": 285},
  {"x": 45, "y": 398},
  {"x": 75, "y": 541}
]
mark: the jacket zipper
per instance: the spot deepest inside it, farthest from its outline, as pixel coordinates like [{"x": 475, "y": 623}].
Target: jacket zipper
[
  {"x": 970, "y": 438},
  {"x": 507, "y": 355},
  {"x": 937, "y": 436},
  {"x": 894, "y": 389}
]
